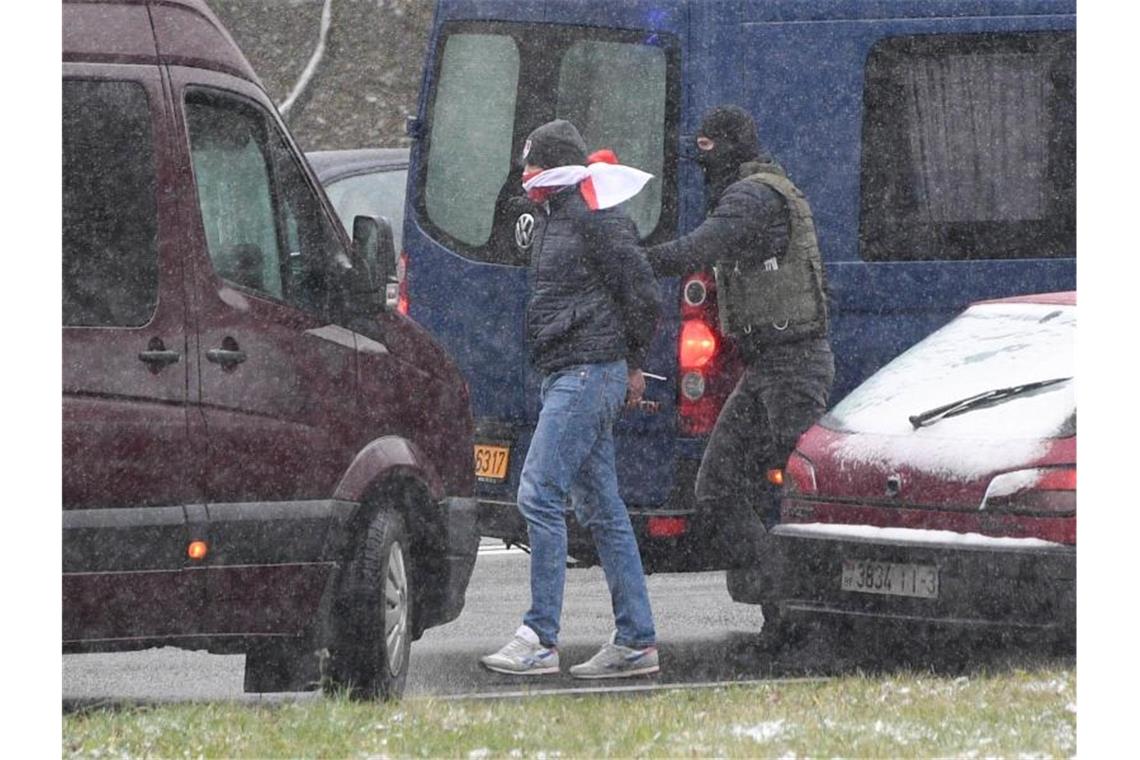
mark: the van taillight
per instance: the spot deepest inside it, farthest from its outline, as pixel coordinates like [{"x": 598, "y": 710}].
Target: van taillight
[
  {"x": 698, "y": 344},
  {"x": 708, "y": 365},
  {"x": 402, "y": 280},
  {"x": 1045, "y": 491}
]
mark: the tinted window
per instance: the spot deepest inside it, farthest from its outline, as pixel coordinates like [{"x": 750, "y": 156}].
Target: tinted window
[
  {"x": 472, "y": 122},
  {"x": 969, "y": 148},
  {"x": 265, "y": 229},
  {"x": 110, "y": 250}
]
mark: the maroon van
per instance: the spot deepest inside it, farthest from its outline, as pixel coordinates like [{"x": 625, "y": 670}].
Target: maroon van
[{"x": 258, "y": 456}]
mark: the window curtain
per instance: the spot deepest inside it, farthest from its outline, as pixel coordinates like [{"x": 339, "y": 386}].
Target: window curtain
[{"x": 978, "y": 128}]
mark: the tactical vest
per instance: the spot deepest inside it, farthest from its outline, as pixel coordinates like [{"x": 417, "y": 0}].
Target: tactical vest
[{"x": 780, "y": 299}]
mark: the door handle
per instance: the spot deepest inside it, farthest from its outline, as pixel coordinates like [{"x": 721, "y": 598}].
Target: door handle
[
  {"x": 156, "y": 356},
  {"x": 226, "y": 357}
]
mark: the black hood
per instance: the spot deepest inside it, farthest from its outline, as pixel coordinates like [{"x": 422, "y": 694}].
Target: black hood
[
  {"x": 735, "y": 141},
  {"x": 555, "y": 143}
]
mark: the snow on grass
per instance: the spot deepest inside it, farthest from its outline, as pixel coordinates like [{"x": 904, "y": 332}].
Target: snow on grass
[{"x": 761, "y": 732}]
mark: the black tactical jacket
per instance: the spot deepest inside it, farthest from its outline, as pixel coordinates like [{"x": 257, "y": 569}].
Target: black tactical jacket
[{"x": 748, "y": 220}]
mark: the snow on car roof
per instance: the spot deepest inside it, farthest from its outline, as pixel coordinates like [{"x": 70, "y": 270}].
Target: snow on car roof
[{"x": 990, "y": 345}]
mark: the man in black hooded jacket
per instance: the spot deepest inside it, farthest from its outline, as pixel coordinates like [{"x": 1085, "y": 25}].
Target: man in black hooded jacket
[
  {"x": 759, "y": 237},
  {"x": 589, "y": 321}
]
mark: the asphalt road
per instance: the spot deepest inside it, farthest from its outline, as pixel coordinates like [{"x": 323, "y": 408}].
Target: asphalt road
[{"x": 703, "y": 637}]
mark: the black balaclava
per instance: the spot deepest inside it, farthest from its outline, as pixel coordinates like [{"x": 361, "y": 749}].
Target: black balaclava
[{"x": 735, "y": 139}]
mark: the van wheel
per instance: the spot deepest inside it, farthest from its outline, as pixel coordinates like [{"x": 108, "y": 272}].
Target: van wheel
[{"x": 373, "y": 628}]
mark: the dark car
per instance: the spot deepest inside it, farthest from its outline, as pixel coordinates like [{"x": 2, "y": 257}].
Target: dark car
[
  {"x": 368, "y": 181},
  {"x": 942, "y": 489},
  {"x": 259, "y": 456}
]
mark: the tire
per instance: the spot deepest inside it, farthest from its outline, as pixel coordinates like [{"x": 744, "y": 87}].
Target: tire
[
  {"x": 778, "y": 632},
  {"x": 368, "y": 657}
]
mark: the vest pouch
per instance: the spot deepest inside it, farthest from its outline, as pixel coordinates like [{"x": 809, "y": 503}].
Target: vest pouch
[{"x": 770, "y": 306}]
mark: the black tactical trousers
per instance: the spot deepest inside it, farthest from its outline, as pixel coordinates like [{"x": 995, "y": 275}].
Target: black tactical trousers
[{"x": 783, "y": 391}]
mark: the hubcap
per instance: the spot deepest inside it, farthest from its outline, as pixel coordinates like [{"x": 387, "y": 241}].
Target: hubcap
[{"x": 395, "y": 608}]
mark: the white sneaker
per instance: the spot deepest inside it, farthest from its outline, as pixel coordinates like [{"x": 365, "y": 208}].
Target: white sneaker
[
  {"x": 615, "y": 661},
  {"x": 523, "y": 656}
]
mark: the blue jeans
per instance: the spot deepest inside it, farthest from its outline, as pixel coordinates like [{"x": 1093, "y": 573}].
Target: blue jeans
[{"x": 571, "y": 461}]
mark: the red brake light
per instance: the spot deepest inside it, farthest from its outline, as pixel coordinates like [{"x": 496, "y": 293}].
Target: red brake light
[
  {"x": 667, "y": 527},
  {"x": 709, "y": 365},
  {"x": 1048, "y": 491},
  {"x": 698, "y": 344}
]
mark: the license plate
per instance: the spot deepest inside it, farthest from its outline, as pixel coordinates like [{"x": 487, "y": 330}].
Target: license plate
[
  {"x": 891, "y": 578},
  {"x": 491, "y": 462}
]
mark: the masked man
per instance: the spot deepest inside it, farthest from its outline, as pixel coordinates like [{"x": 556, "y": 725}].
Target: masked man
[{"x": 760, "y": 240}]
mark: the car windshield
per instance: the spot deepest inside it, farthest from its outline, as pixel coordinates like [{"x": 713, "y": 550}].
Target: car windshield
[{"x": 990, "y": 346}]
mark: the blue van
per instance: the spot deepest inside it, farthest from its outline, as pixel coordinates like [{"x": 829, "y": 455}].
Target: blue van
[{"x": 935, "y": 141}]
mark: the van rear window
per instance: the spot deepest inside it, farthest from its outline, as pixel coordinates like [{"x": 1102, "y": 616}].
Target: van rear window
[
  {"x": 494, "y": 83},
  {"x": 110, "y": 224},
  {"x": 969, "y": 148}
]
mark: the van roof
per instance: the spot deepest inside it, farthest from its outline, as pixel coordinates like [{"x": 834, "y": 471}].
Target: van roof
[{"x": 168, "y": 32}]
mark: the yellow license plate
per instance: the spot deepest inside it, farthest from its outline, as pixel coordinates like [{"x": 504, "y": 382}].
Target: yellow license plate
[{"x": 491, "y": 462}]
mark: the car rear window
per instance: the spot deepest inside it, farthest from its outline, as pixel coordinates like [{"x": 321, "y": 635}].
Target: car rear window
[
  {"x": 371, "y": 193},
  {"x": 989, "y": 346}
]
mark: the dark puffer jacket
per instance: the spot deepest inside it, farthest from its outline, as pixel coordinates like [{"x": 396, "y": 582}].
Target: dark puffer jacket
[{"x": 593, "y": 296}]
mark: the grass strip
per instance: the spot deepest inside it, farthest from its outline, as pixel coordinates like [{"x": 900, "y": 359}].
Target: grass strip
[{"x": 1013, "y": 713}]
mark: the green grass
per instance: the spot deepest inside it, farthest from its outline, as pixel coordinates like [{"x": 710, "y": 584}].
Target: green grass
[{"x": 1012, "y": 714}]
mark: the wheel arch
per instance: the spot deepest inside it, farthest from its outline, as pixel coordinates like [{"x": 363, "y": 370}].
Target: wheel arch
[{"x": 390, "y": 473}]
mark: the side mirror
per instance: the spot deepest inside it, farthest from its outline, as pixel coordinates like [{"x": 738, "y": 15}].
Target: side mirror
[
  {"x": 372, "y": 241},
  {"x": 372, "y": 245}
]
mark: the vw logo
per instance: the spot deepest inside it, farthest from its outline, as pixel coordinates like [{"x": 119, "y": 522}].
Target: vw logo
[{"x": 524, "y": 231}]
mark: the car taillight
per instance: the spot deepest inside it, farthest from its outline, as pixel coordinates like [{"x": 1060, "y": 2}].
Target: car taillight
[
  {"x": 402, "y": 284},
  {"x": 799, "y": 475},
  {"x": 1046, "y": 491},
  {"x": 708, "y": 365}
]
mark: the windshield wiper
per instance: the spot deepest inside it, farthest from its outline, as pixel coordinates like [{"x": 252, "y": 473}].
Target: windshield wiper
[{"x": 979, "y": 401}]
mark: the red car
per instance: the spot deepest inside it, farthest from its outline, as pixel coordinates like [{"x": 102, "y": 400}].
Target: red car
[{"x": 942, "y": 489}]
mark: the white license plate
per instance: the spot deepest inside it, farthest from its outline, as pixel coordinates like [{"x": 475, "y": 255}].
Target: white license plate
[{"x": 891, "y": 578}]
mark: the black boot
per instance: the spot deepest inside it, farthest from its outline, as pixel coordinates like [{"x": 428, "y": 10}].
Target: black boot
[{"x": 736, "y": 530}]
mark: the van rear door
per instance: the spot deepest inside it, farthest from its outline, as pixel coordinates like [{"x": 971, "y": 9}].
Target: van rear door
[{"x": 469, "y": 238}]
